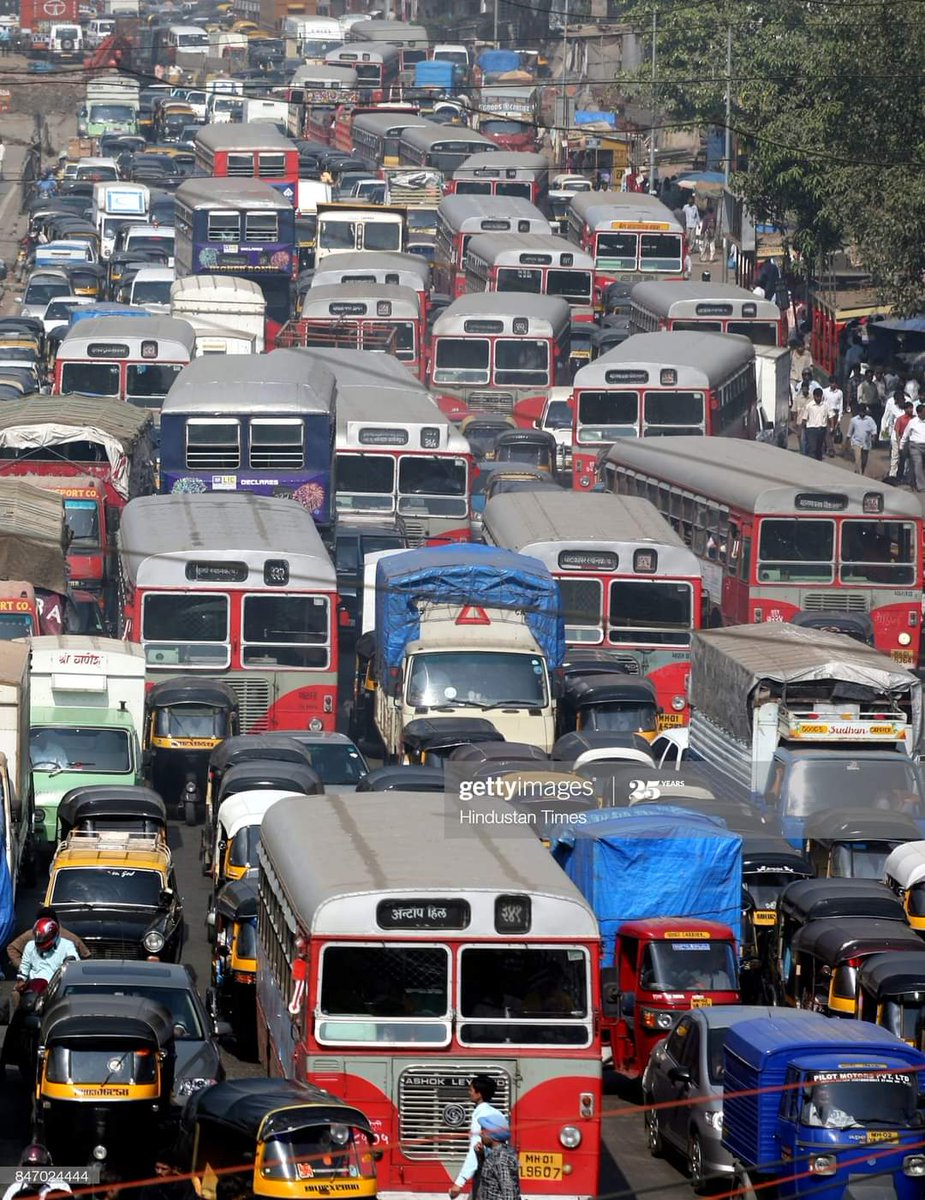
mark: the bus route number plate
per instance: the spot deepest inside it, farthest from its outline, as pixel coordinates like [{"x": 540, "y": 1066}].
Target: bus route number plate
[{"x": 537, "y": 1165}]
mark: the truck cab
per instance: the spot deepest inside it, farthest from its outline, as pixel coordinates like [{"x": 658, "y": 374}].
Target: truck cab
[{"x": 822, "y": 1108}]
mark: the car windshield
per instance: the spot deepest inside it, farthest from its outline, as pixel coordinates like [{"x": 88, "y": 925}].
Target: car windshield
[
  {"x": 98, "y": 751},
  {"x": 678, "y": 966},
  {"x": 178, "y": 1003},
  {"x": 41, "y": 291},
  {"x": 107, "y": 887},
  {"x": 860, "y": 1099},
  {"x": 337, "y": 762},
  {"x": 888, "y": 782},
  {"x": 151, "y": 291}
]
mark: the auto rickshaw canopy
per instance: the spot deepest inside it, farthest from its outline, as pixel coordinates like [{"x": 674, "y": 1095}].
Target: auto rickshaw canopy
[
  {"x": 498, "y": 751},
  {"x": 191, "y": 690},
  {"x": 237, "y": 900},
  {"x": 889, "y": 975},
  {"x": 267, "y": 773},
  {"x": 439, "y": 735},
  {"x": 275, "y": 746},
  {"x": 403, "y": 778},
  {"x": 110, "y": 1019},
  {"x": 571, "y": 745},
  {"x": 808, "y": 900},
  {"x": 609, "y": 687},
  {"x": 102, "y": 802},
  {"x": 834, "y": 939},
  {"x": 266, "y": 1108}
]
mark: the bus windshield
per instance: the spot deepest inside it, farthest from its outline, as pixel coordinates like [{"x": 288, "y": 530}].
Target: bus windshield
[
  {"x": 364, "y": 482},
  {"x": 651, "y": 610},
  {"x": 91, "y": 378},
  {"x": 285, "y": 631},
  {"x": 878, "y": 552},
  {"x": 674, "y": 413},
  {"x": 617, "y": 250},
  {"x": 462, "y": 360},
  {"x": 147, "y": 384},
  {"x": 792, "y": 549},
  {"x": 759, "y": 333},
  {"x": 186, "y": 629},
  {"x": 477, "y": 679},
  {"x": 384, "y": 993},
  {"x": 433, "y": 485},
  {"x": 660, "y": 252},
  {"x": 523, "y": 994},
  {"x": 520, "y": 361},
  {"x": 606, "y": 416}
]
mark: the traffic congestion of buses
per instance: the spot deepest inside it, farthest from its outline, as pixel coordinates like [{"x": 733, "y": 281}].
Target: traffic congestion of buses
[{"x": 394, "y": 513}]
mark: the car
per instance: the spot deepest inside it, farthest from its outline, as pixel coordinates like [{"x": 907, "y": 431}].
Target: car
[
  {"x": 42, "y": 286},
  {"x": 335, "y": 758},
  {"x": 150, "y": 289},
  {"x": 58, "y": 311},
  {"x": 198, "y": 1057}
]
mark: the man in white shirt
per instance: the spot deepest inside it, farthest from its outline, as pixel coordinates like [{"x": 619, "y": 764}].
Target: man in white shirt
[
  {"x": 834, "y": 400},
  {"x": 691, "y": 221},
  {"x": 481, "y": 1093},
  {"x": 815, "y": 421},
  {"x": 914, "y": 438}
]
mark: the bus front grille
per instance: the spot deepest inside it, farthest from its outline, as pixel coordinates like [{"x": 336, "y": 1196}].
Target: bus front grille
[
  {"x": 415, "y": 532},
  {"x": 253, "y": 700},
  {"x": 434, "y": 1108},
  {"x": 491, "y": 402},
  {"x": 836, "y": 601}
]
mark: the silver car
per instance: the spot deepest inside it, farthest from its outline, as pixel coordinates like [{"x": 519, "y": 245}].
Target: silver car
[{"x": 685, "y": 1073}]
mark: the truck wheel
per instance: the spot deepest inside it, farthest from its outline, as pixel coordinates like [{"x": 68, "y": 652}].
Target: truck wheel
[
  {"x": 653, "y": 1131},
  {"x": 695, "y": 1163}
]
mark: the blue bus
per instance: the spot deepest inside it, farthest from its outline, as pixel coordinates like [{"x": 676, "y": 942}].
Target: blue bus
[
  {"x": 251, "y": 423},
  {"x": 240, "y": 227}
]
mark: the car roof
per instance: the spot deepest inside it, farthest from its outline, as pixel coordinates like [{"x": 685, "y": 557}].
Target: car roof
[{"x": 128, "y": 972}]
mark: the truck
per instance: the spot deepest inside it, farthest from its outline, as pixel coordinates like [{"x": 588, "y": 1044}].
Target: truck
[
  {"x": 87, "y": 718},
  {"x": 33, "y": 551},
  {"x": 802, "y": 720},
  {"x": 40, "y": 17},
  {"x": 90, "y": 557},
  {"x": 16, "y": 802},
  {"x": 111, "y": 106},
  {"x": 465, "y": 630},
  {"x": 115, "y": 204},
  {"x": 227, "y": 314},
  {"x": 666, "y": 887},
  {"x": 822, "y": 1108},
  {"x": 508, "y": 115},
  {"x": 772, "y": 375}
]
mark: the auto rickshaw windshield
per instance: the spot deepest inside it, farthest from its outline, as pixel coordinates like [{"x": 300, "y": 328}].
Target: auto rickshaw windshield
[
  {"x": 902, "y": 1018},
  {"x": 765, "y": 890},
  {"x": 620, "y": 718},
  {"x": 246, "y": 944},
  {"x": 102, "y": 1066},
  {"x": 688, "y": 966},
  {"x": 244, "y": 847},
  {"x": 860, "y": 860},
  {"x": 192, "y": 721},
  {"x": 318, "y": 1152},
  {"x": 878, "y": 1099}
]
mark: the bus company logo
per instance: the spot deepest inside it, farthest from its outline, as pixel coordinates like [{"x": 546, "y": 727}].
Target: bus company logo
[
  {"x": 454, "y": 1115},
  {"x": 651, "y": 789},
  {"x": 437, "y": 1081}
]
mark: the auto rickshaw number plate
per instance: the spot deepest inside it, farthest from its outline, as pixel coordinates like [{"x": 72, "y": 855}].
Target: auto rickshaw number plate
[{"x": 537, "y": 1165}]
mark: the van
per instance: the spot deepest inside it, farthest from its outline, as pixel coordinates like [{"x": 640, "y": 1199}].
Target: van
[
  {"x": 65, "y": 42},
  {"x": 98, "y": 30}
]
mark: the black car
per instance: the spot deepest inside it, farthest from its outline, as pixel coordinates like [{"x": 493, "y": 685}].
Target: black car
[
  {"x": 198, "y": 1061},
  {"x": 352, "y": 542}
]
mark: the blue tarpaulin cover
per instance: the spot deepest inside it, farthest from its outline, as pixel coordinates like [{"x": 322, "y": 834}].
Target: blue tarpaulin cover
[
  {"x": 585, "y": 117},
  {"x": 433, "y": 73},
  {"x": 464, "y": 574},
  {"x": 498, "y": 62},
  {"x": 662, "y": 862}
]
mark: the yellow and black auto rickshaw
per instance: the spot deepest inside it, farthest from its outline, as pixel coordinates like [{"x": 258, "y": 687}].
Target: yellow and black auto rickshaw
[
  {"x": 104, "y": 1078},
  {"x": 185, "y": 719},
  {"x": 234, "y": 957},
  {"x": 275, "y": 1138}
]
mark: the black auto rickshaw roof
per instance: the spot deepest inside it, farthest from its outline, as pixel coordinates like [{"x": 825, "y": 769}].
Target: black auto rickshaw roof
[
  {"x": 773, "y": 854},
  {"x": 243, "y": 746},
  {"x": 499, "y": 751},
  {"x": 101, "y": 800},
  {"x": 191, "y": 690},
  {"x": 607, "y": 688},
  {"x": 441, "y": 733},
  {"x": 893, "y": 974},
  {"x": 527, "y": 437},
  {"x": 269, "y": 773},
  {"x": 107, "y": 1019},
  {"x": 850, "y": 825},
  {"x": 269, "y": 1107},
  {"x": 813, "y": 899},
  {"x": 592, "y": 661},
  {"x": 835, "y": 938},
  {"x": 237, "y": 900},
  {"x": 570, "y": 745},
  {"x": 406, "y": 778}
]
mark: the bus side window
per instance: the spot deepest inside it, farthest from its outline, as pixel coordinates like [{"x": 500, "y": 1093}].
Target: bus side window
[
  {"x": 699, "y": 534},
  {"x": 745, "y": 564}
]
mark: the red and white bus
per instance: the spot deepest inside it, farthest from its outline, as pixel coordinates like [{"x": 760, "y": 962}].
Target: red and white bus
[
  {"x": 659, "y": 385},
  {"x": 376, "y": 133},
  {"x": 314, "y": 93},
  {"x": 503, "y": 173},
  {"x": 706, "y": 308},
  {"x": 778, "y": 534},
  {"x": 412, "y": 41},
  {"x": 377, "y": 68},
  {"x": 478, "y": 956},
  {"x": 441, "y": 147},
  {"x": 534, "y": 264},
  {"x": 240, "y": 588},
  {"x": 135, "y": 359},
  {"x": 501, "y": 353},
  {"x": 460, "y": 218},
  {"x": 254, "y": 150},
  {"x": 376, "y": 266},
  {"x": 631, "y": 235},
  {"x": 628, "y": 582}
]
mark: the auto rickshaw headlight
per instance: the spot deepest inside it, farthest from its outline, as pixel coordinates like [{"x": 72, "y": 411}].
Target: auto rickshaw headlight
[
  {"x": 914, "y": 1164},
  {"x": 340, "y": 1135},
  {"x": 153, "y": 941},
  {"x": 823, "y": 1164},
  {"x": 99, "y": 1153},
  {"x": 570, "y": 1137}
]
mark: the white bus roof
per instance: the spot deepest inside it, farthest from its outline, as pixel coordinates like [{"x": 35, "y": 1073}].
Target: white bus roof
[
  {"x": 756, "y": 477},
  {"x": 425, "y": 137},
  {"x": 399, "y": 33},
  {"x": 547, "y": 314},
  {"x": 219, "y": 290},
  {"x": 241, "y": 193},
  {"x": 361, "y": 368},
  {"x": 700, "y": 360},
  {"x": 487, "y": 214},
  {"x": 160, "y": 535},
  {"x": 528, "y": 249},
  {"x": 407, "y": 423},
  {"x": 373, "y": 266},
  {"x": 256, "y": 385},
  {"x": 173, "y": 336},
  {"x": 329, "y": 76},
  {"x": 336, "y": 859},
  {"x": 688, "y": 298},
  {"x": 565, "y": 530},
  {"x": 254, "y": 135},
  {"x": 364, "y": 52},
  {"x": 497, "y": 165},
  {"x": 390, "y": 122},
  {"x": 620, "y": 208},
  {"x": 344, "y": 300}
]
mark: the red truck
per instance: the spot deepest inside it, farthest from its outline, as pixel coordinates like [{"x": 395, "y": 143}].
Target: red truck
[{"x": 90, "y": 554}]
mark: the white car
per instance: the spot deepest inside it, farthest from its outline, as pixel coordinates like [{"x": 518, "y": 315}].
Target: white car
[
  {"x": 43, "y": 285},
  {"x": 58, "y": 311},
  {"x": 557, "y": 419},
  {"x": 150, "y": 289}
]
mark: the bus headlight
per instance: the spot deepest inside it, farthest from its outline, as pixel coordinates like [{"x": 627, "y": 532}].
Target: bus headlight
[
  {"x": 585, "y": 481},
  {"x": 570, "y": 1137},
  {"x": 823, "y": 1164},
  {"x": 904, "y": 639},
  {"x": 315, "y": 725},
  {"x": 677, "y": 703},
  {"x": 914, "y": 1165}
]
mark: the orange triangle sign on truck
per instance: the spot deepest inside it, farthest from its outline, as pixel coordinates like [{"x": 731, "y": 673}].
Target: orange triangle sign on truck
[{"x": 472, "y": 614}]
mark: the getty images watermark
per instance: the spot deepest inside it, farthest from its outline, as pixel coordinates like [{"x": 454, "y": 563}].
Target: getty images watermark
[{"x": 516, "y": 804}]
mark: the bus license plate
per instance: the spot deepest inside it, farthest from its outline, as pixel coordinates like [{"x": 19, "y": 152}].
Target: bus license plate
[
  {"x": 537, "y": 1165},
  {"x": 902, "y": 656},
  {"x": 670, "y": 720},
  {"x": 701, "y": 1002}
]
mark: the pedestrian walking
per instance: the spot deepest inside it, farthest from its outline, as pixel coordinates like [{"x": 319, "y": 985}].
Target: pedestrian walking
[
  {"x": 914, "y": 437},
  {"x": 862, "y": 434},
  {"x": 852, "y": 384},
  {"x": 801, "y": 401},
  {"x": 691, "y": 214},
  {"x": 892, "y": 411},
  {"x": 801, "y": 361},
  {"x": 901, "y": 471},
  {"x": 708, "y": 233},
  {"x": 500, "y": 1175},
  {"x": 834, "y": 399},
  {"x": 815, "y": 422},
  {"x": 481, "y": 1093}
]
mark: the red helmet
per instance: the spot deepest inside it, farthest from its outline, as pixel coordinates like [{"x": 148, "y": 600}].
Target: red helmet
[{"x": 46, "y": 933}]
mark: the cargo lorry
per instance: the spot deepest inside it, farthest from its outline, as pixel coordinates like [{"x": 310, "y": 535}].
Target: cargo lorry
[
  {"x": 87, "y": 715},
  {"x": 467, "y": 631},
  {"x": 111, "y": 106},
  {"x": 16, "y": 801},
  {"x": 803, "y": 721}
]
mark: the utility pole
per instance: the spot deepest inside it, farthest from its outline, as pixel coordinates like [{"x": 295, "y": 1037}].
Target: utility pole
[
  {"x": 727, "y": 149},
  {"x": 564, "y": 123},
  {"x": 495, "y": 37},
  {"x": 652, "y": 106}
]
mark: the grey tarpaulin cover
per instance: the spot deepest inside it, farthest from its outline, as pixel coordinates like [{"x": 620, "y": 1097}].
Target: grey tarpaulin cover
[
  {"x": 33, "y": 536},
  {"x": 727, "y": 665}
]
